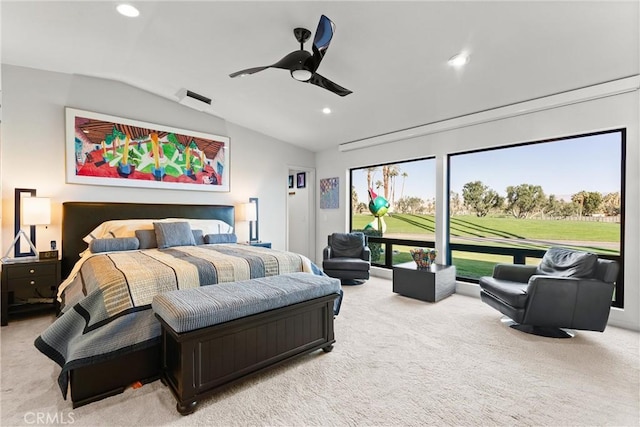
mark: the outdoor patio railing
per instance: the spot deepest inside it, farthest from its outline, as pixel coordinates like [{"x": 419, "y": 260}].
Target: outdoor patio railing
[{"x": 518, "y": 255}]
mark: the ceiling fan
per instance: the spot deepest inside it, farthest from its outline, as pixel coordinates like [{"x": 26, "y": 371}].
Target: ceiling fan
[{"x": 303, "y": 64}]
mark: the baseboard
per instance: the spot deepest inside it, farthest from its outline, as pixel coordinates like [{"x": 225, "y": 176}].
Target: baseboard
[
  {"x": 468, "y": 289},
  {"x": 616, "y": 318}
]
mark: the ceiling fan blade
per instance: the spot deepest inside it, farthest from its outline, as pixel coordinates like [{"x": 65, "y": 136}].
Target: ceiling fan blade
[
  {"x": 321, "y": 40},
  {"x": 248, "y": 71},
  {"x": 293, "y": 60},
  {"x": 325, "y": 83}
]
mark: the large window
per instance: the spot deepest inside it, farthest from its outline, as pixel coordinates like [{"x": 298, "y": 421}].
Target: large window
[
  {"x": 394, "y": 201},
  {"x": 506, "y": 205},
  {"x": 566, "y": 192}
]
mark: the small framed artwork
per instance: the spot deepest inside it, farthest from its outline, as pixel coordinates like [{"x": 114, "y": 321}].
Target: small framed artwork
[
  {"x": 329, "y": 193},
  {"x": 290, "y": 181},
  {"x": 301, "y": 179}
]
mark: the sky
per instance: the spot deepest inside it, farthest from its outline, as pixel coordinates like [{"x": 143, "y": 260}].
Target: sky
[{"x": 563, "y": 168}]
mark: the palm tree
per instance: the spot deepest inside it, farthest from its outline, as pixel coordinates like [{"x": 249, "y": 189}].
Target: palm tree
[
  {"x": 404, "y": 176},
  {"x": 354, "y": 199},
  {"x": 393, "y": 172},
  {"x": 371, "y": 170}
]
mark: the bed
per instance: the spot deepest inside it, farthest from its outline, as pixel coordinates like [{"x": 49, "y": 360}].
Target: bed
[{"x": 106, "y": 343}]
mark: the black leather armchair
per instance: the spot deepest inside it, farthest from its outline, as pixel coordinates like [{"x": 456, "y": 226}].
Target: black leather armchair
[
  {"x": 569, "y": 289},
  {"x": 347, "y": 257}
]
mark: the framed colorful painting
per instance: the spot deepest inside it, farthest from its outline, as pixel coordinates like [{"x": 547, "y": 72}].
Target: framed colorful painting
[{"x": 108, "y": 150}]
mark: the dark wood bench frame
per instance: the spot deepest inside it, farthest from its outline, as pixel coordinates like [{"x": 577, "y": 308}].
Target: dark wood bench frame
[{"x": 196, "y": 364}]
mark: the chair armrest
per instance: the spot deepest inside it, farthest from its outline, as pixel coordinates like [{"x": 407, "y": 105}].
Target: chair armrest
[
  {"x": 514, "y": 272},
  {"x": 366, "y": 254},
  {"x": 326, "y": 252}
]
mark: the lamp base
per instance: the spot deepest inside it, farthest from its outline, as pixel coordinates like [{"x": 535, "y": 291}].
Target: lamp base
[{"x": 15, "y": 240}]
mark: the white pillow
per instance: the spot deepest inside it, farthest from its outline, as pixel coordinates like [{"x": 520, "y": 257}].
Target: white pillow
[
  {"x": 208, "y": 226},
  {"x": 127, "y": 227},
  {"x": 119, "y": 228}
]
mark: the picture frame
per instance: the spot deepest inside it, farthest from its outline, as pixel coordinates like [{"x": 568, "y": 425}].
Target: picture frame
[
  {"x": 290, "y": 181},
  {"x": 330, "y": 193},
  {"x": 301, "y": 179},
  {"x": 115, "y": 151}
]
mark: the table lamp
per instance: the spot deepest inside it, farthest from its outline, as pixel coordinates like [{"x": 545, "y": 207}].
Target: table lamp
[
  {"x": 35, "y": 211},
  {"x": 247, "y": 212}
]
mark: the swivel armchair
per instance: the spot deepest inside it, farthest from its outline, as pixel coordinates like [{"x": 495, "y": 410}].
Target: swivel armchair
[
  {"x": 347, "y": 257},
  {"x": 569, "y": 289}
]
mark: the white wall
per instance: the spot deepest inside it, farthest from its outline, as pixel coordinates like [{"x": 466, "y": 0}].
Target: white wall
[
  {"x": 32, "y": 154},
  {"x": 590, "y": 116}
]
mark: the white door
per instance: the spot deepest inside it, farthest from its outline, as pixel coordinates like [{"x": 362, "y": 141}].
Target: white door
[{"x": 299, "y": 213}]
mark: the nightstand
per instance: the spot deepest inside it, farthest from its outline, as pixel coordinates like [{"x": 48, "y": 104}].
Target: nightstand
[
  {"x": 261, "y": 244},
  {"x": 29, "y": 286}
]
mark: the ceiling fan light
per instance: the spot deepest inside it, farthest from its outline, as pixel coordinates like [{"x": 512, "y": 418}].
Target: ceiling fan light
[
  {"x": 301, "y": 75},
  {"x": 459, "y": 60}
]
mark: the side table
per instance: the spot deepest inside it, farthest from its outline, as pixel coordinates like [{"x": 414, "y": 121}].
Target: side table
[
  {"x": 29, "y": 286},
  {"x": 430, "y": 284}
]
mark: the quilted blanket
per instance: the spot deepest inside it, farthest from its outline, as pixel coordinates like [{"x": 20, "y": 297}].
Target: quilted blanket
[{"x": 108, "y": 299}]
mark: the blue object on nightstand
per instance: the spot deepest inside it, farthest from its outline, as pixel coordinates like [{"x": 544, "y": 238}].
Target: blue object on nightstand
[{"x": 261, "y": 244}]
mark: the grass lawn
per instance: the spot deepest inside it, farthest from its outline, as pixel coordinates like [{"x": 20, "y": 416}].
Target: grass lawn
[
  {"x": 503, "y": 231},
  {"x": 501, "y": 228}
]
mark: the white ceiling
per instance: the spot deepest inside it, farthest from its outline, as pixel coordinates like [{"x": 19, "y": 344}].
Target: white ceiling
[{"x": 392, "y": 55}]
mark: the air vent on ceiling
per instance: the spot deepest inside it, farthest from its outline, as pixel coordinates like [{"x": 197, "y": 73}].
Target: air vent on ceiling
[{"x": 193, "y": 100}]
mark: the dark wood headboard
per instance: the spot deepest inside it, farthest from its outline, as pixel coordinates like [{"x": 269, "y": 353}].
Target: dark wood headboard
[{"x": 80, "y": 218}]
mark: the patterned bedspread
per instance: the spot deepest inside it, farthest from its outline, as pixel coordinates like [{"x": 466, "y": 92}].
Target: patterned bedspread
[{"x": 107, "y": 302}]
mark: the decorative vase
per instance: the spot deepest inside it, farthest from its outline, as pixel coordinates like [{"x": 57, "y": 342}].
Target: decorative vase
[{"x": 420, "y": 257}]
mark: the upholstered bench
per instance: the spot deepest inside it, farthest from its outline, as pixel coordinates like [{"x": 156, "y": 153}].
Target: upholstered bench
[{"x": 214, "y": 335}]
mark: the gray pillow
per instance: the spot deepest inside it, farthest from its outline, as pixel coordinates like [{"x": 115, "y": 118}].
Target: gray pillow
[
  {"x": 170, "y": 234},
  {"x": 198, "y": 237},
  {"x": 147, "y": 239},
  {"x": 117, "y": 244},
  {"x": 567, "y": 263},
  {"x": 220, "y": 238}
]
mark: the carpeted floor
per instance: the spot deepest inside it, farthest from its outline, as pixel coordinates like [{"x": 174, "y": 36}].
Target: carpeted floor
[{"x": 397, "y": 361}]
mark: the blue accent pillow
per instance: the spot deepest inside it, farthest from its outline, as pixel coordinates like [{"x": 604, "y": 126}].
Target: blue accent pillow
[
  {"x": 198, "y": 237},
  {"x": 112, "y": 245},
  {"x": 221, "y": 238},
  {"x": 147, "y": 239},
  {"x": 170, "y": 234}
]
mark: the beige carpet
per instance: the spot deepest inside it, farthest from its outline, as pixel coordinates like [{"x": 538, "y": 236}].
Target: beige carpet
[{"x": 397, "y": 361}]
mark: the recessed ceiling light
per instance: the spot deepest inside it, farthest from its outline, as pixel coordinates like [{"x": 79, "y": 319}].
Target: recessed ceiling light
[
  {"x": 326, "y": 110},
  {"x": 459, "y": 60},
  {"x": 128, "y": 10}
]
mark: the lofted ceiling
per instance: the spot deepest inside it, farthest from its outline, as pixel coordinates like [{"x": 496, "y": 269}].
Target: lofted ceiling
[{"x": 392, "y": 55}]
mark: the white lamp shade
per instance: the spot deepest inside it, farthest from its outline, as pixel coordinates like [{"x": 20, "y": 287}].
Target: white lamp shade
[
  {"x": 246, "y": 212},
  {"x": 36, "y": 211}
]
